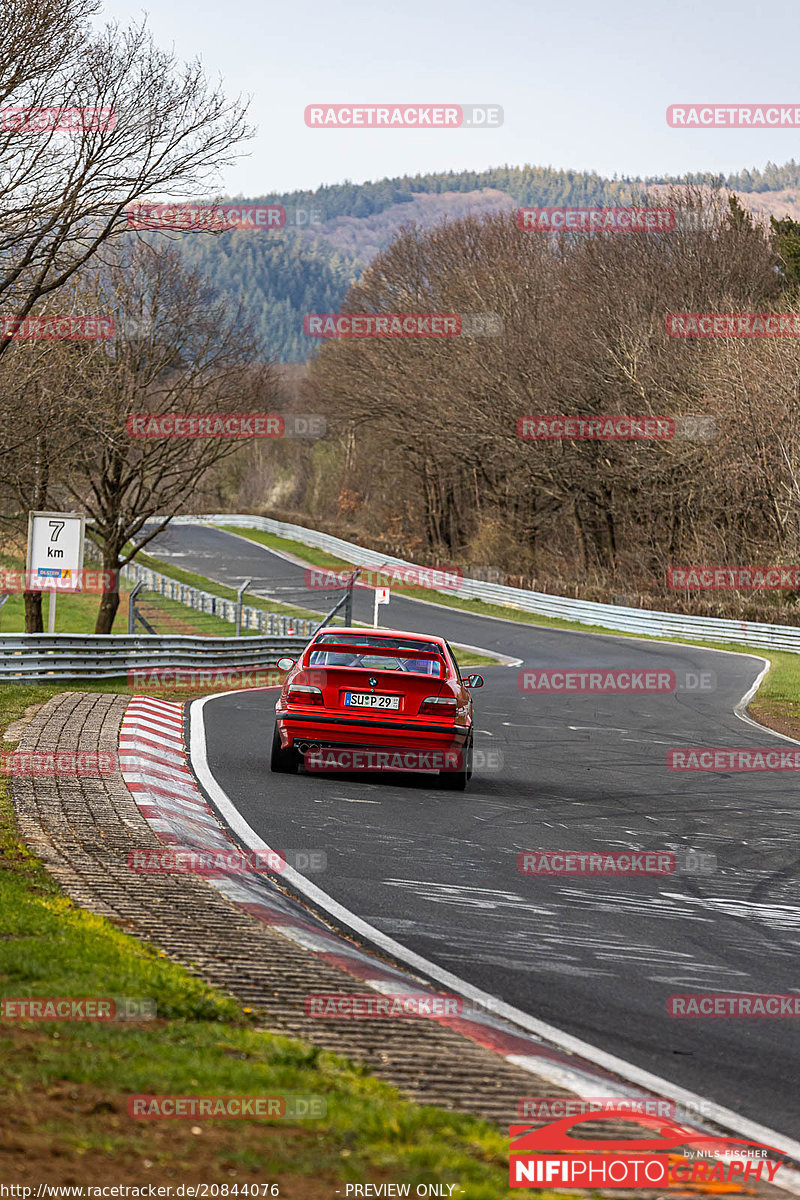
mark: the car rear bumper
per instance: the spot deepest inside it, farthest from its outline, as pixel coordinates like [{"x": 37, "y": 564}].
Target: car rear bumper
[{"x": 369, "y": 732}]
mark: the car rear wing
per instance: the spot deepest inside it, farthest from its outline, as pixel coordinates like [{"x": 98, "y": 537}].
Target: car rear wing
[
  {"x": 378, "y": 651},
  {"x": 387, "y": 651}
]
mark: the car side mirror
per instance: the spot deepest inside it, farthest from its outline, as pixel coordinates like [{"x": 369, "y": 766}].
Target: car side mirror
[
  {"x": 473, "y": 681},
  {"x": 285, "y": 664}
]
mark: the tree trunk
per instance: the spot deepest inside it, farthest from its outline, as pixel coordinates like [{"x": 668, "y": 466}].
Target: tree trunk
[
  {"x": 34, "y": 622},
  {"x": 109, "y": 601}
]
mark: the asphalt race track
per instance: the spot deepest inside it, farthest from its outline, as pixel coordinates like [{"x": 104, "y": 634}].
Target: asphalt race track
[{"x": 595, "y": 956}]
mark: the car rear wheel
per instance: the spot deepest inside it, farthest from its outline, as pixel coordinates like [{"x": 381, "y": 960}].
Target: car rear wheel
[
  {"x": 284, "y": 762},
  {"x": 456, "y": 781}
]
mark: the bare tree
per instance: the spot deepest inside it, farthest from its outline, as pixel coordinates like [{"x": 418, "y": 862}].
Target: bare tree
[
  {"x": 157, "y": 128},
  {"x": 37, "y": 380},
  {"x": 583, "y": 333},
  {"x": 179, "y": 349}
]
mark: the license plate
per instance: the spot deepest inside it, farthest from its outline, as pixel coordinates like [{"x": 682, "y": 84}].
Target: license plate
[{"x": 370, "y": 700}]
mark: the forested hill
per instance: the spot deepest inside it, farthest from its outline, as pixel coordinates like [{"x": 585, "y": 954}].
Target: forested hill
[{"x": 307, "y": 267}]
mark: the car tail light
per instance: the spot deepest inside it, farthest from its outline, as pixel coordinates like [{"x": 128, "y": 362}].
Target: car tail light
[
  {"x": 438, "y": 706},
  {"x": 304, "y": 694}
]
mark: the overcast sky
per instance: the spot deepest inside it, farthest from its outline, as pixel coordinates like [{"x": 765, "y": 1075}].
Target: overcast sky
[{"x": 582, "y": 84}]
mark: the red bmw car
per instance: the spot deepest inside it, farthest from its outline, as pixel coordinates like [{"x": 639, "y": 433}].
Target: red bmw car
[{"x": 376, "y": 700}]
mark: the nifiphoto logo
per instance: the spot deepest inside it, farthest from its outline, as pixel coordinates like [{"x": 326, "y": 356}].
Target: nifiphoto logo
[{"x": 666, "y": 1154}]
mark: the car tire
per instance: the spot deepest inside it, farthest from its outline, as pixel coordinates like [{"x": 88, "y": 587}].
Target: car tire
[
  {"x": 456, "y": 781},
  {"x": 283, "y": 762}
]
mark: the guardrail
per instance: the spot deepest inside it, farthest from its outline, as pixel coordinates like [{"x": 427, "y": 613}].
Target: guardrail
[
  {"x": 584, "y": 612},
  {"x": 27, "y": 657},
  {"x": 273, "y": 624}
]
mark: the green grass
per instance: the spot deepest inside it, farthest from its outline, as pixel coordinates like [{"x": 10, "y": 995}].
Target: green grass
[
  {"x": 78, "y": 613},
  {"x": 309, "y": 554},
  {"x": 74, "y": 613},
  {"x": 320, "y": 558},
  {"x": 779, "y": 693},
  {"x": 221, "y": 589},
  {"x": 203, "y": 1043}
]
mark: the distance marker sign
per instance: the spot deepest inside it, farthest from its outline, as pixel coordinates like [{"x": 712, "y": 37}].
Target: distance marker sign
[{"x": 55, "y": 551}]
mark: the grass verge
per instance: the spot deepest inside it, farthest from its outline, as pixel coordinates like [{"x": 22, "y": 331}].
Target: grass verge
[
  {"x": 320, "y": 558},
  {"x": 776, "y": 706},
  {"x": 221, "y": 589}
]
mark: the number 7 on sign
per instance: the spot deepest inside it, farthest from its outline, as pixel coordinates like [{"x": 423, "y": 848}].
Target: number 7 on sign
[{"x": 56, "y": 526}]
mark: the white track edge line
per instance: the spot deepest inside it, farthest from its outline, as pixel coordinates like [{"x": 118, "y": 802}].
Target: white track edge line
[{"x": 720, "y": 1115}]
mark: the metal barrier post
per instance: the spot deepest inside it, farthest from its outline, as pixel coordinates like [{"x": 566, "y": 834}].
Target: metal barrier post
[
  {"x": 239, "y": 595},
  {"x": 132, "y": 606},
  {"x": 348, "y": 608}
]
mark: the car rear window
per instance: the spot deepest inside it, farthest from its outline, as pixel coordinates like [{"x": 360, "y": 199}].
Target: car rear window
[{"x": 396, "y": 654}]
